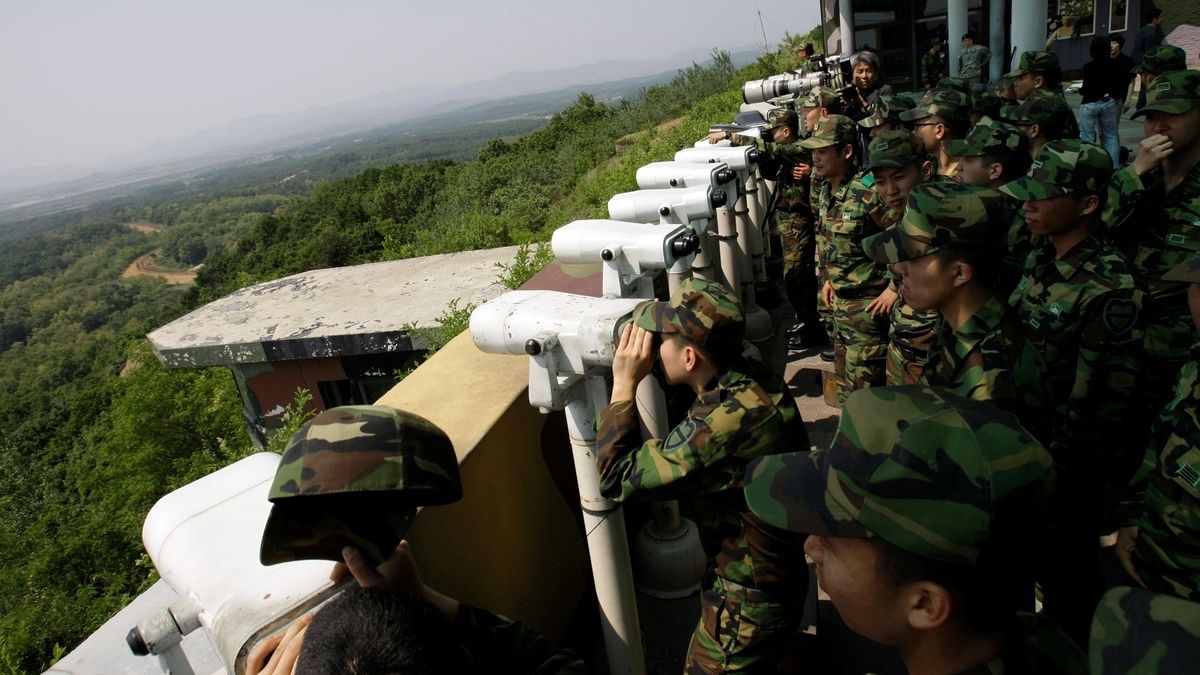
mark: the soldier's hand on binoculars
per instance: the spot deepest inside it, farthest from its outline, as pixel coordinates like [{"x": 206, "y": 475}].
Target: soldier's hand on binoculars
[
  {"x": 277, "y": 654},
  {"x": 801, "y": 171},
  {"x": 399, "y": 572},
  {"x": 633, "y": 361}
]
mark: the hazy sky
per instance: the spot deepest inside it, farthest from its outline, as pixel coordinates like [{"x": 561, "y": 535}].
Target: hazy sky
[{"x": 84, "y": 80}]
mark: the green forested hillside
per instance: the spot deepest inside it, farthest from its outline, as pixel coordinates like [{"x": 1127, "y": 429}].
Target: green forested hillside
[{"x": 93, "y": 430}]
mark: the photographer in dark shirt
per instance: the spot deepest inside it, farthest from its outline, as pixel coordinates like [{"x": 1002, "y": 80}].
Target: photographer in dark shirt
[
  {"x": 862, "y": 97},
  {"x": 1099, "y": 110}
]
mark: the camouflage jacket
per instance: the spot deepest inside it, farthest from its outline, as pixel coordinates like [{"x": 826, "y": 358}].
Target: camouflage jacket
[
  {"x": 1035, "y": 646},
  {"x": 853, "y": 274},
  {"x": 989, "y": 358},
  {"x": 1021, "y": 243},
  {"x": 911, "y": 331},
  {"x": 828, "y": 206},
  {"x": 742, "y": 414},
  {"x": 781, "y": 158},
  {"x": 511, "y": 646},
  {"x": 1084, "y": 314},
  {"x": 973, "y": 63},
  {"x": 933, "y": 68},
  {"x": 1156, "y": 231},
  {"x": 1135, "y": 631},
  {"x": 1168, "y": 513}
]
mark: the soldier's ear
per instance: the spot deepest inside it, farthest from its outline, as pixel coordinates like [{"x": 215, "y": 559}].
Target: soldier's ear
[
  {"x": 1089, "y": 205},
  {"x": 963, "y": 273},
  {"x": 1034, "y": 131},
  {"x": 926, "y": 170},
  {"x": 929, "y": 604},
  {"x": 995, "y": 170}
]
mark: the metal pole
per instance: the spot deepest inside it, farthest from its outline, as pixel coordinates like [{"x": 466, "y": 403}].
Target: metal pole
[
  {"x": 846, "y": 18},
  {"x": 996, "y": 35},
  {"x": 608, "y": 548},
  {"x": 702, "y": 264},
  {"x": 728, "y": 247},
  {"x": 1028, "y": 26},
  {"x": 956, "y": 25}
]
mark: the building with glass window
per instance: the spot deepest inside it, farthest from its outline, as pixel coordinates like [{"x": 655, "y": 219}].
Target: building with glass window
[{"x": 901, "y": 30}]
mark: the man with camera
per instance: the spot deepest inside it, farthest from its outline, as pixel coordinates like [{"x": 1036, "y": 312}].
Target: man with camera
[{"x": 757, "y": 582}]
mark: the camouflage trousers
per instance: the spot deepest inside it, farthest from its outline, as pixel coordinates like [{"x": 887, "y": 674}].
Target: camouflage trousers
[
  {"x": 860, "y": 346},
  {"x": 741, "y": 630},
  {"x": 798, "y": 241},
  {"x": 912, "y": 334}
]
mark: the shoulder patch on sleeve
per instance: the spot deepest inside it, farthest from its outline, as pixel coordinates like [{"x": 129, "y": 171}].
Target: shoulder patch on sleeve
[
  {"x": 681, "y": 435},
  {"x": 868, "y": 179},
  {"x": 1120, "y": 315}
]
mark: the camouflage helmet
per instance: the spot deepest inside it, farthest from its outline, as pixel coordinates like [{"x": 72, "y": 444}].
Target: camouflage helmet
[
  {"x": 819, "y": 97},
  {"x": 952, "y": 83},
  {"x": 831, "y": 130},
  {"x": 1162, "y": 60},
  {"x": 895, "y": 149},
  {"x": 949, "y": 104},
  {"x": 1135, "y": 632},
  {"x": 1061, "y": 167},
  {"x": 705, "y": 313},
  {"x": 922, "y": 469},
  {"x": 1036, "y": 62},
  {"x": 1044, "y": 108},
  {"x": 989, "y": 137},
  {"x": 987, "y": 104},
  {"x": 942, "y": 216},
  {"x": 783, "y": 117},
  {"x": 353, "y": 476},
  {"x": 1187, "y": 271},
  {"x": 888, "y": 111},
  {"x": 1173, "y": 93}
]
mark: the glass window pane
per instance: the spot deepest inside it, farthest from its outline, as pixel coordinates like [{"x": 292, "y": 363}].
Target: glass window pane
[{"x": 1119, "y": 20}]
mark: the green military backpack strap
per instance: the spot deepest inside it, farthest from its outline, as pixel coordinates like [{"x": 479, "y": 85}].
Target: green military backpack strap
[{"x": 354, "y": 476}]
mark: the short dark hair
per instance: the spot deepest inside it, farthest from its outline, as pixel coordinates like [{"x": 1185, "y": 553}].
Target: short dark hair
[
  {"x": 1014, "y": 165},
  {"x": 985, "y": 264},
  {"x": 1155, "y": 13},
  {"x": 1117, "y": 38},
  {"x": 969, "y": 35},
  {"x": 375, "y": 630},
  {"x": 987, "y": 593},
  {"x": 808, "y": 48}
]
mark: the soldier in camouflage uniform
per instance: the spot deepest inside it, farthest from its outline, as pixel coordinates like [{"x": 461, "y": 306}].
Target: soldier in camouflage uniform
[
  {"x": 898, "y": 163},
  {"x": 1164, "y": 60},
  {"x": 887, "y": 117},
  {"x": 945, "y": 250},
  {"x": 1039, "y": 70},
  {"x": 1136, "y": 632},
  {"x": 855, "y": 286},
  {"x": 917, "y": 513},
  {"x": 352, "y": 477},
  {"x": 791, "y": 166},
  {"x": 1154, "y": 209},
  {"x": 1160, "y": 545},
  {"x": 816, "y": 106},
  {"x": 1078, "y": 299},
  {"x": 993, "y": 154},
  {"x": 985, "y": 104},
  {"x": 933, "y": 64},
  {"x": 1044, "y": 117},
  {"x": 755, "y": 589},
  {"x": 943, "y": 115}
]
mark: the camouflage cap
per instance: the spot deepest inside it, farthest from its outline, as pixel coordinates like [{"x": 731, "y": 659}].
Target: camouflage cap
[
  {"x": 1044, "y": 108},
  {"x": 948, "y": 104},
  {"x": 922, "y": 469},
  {"x": 1173, "y": 93},
  {"x": 1187, "y": 271},
  {"x": 888, "y": 110},
  {"x": 1139, "y": 632},
  {"x": 782, "y": 117},
  {"x": 1060, "y": 167},
  {"x": 942, "y": 216},
  {"x": 818, "y": 97},
  {"x": 952, "y": 83},
  {"x": 831, "y": 130},
  {"x": 987, "y": 104},
  {"x": 705, "y": 313},
  {"x": 895, "y": 149},
  {"x": 1036, "y": 62},
  {"x": 1162, "y": 60},
  {"x": 354, "y": 475},
  {"x": 992, "y": 138}
]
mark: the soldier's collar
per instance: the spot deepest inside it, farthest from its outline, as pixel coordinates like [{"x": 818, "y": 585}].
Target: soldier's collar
[
  {"x": 1078, "y": 256},
  {"x": 985, "y": 320}
]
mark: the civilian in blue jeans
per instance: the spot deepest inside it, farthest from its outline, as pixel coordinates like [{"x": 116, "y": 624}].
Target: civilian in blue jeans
[{"x": 1099, "y": 108}]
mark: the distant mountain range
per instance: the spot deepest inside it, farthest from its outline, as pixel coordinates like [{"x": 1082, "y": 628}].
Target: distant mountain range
[{"x": 245, "y": 137}]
